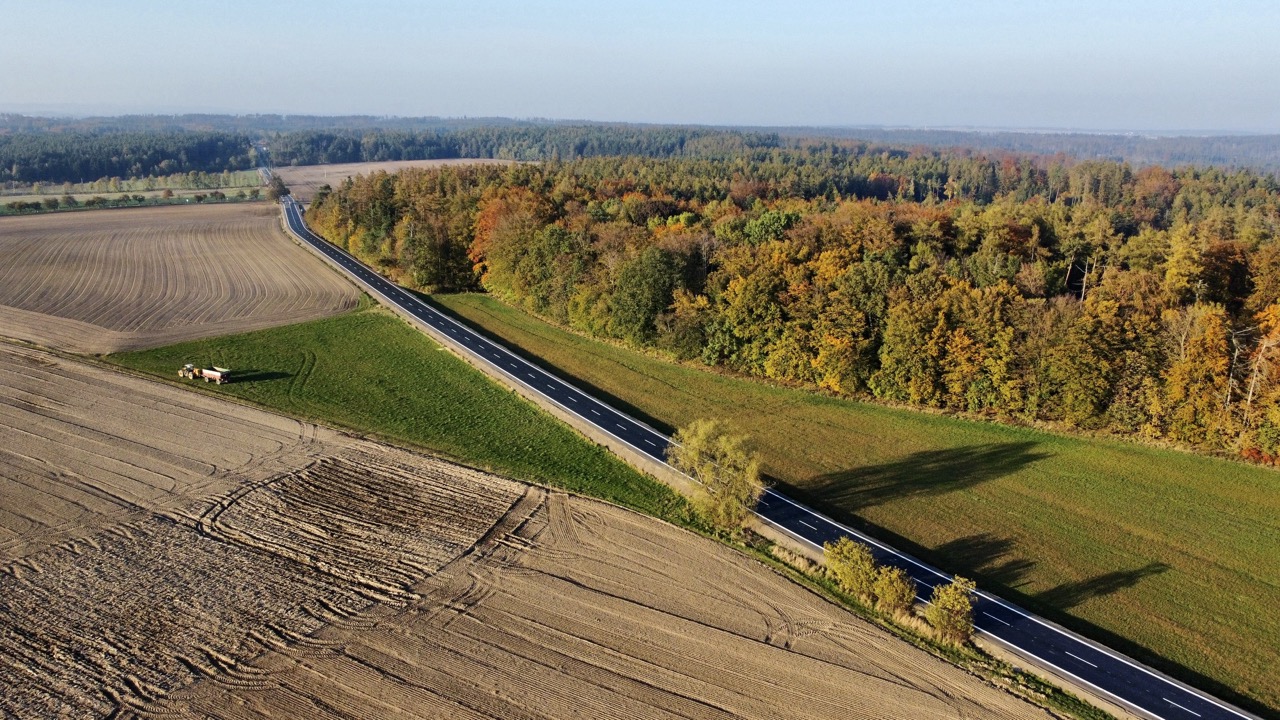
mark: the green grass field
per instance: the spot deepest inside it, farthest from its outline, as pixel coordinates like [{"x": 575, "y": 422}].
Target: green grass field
[
  {"x": 369, "y": 371},
  {"x": 1168, "y": 556}
]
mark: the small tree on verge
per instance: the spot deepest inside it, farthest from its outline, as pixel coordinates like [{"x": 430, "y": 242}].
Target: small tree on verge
[
  {"x": 895, "y": 591},
  {"x": 951, "y": 611},
  {"x": 724, "y": 464},
  {"x": 276, "y": 188},
  {"x": 852, "y": 566}
]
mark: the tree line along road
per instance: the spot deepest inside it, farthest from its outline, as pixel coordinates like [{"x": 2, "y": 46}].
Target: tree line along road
[{"x": 1124, "y": 681}]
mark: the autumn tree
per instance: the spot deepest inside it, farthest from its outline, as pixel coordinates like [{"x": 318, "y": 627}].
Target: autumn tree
[
  {"x": 276, "y": 188},
  {"x": 1197, "y": 383},
  {"x": 725, "y": 467},
  {"x": 950, "y": 610},
  {"x": 894, "y": 590},
  {"x": 852, "y": 566}
]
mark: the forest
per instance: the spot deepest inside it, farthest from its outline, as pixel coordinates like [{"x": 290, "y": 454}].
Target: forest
[
  {"x": 57, "y": 150},
  {"x": 57, "y": 157},
  {"x": 1086, "y": 295},
  {"x": 525, "y": 142}
]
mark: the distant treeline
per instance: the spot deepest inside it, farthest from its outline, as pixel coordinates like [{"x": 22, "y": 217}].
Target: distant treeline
[
  {"x": 1261, "y": 152},
  {"x": 1088, "y": 294},
  {"x": 304, "y": 138},
  {"x": 545, "y": 142},
  {"x": 566, "y": 142},
  {"x": 57, "y": 157}
]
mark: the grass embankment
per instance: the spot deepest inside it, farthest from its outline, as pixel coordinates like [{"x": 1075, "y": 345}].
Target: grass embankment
[
  {"x": 1168, "y": 556},
  {"x": 370, "y": 372}
]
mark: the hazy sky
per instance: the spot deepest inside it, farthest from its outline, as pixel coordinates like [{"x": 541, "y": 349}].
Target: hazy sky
[{"x": 1113, "y": 65}]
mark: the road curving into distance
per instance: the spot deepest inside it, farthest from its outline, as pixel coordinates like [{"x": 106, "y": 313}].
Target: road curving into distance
[{"x": 1122, "y": 680}]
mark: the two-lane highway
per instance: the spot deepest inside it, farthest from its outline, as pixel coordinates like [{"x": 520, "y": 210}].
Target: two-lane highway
[{"x": 1124, "y": 681}]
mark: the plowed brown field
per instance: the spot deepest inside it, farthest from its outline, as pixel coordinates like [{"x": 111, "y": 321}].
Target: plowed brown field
[
  {"x": 166, "y": 553},
  {"x": 305, "y": 180},
  {"x": 114, "y": 280}
]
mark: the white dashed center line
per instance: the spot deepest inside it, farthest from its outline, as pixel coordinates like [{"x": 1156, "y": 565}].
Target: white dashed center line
[
  {"x": 1086, "y": 662},
  {"x": 1193, "y": 712}
]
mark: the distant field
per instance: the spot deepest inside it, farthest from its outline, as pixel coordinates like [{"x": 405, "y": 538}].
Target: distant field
[
  {"x": 1158, "y": 553},
  {"x": 186, "y": 196},
  {"x": 304, "y": 180},
  {"x": 140, "y": 277}
]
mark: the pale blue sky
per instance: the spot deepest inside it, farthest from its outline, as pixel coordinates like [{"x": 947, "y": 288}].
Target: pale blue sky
[{"x": 1115, "y": 65}]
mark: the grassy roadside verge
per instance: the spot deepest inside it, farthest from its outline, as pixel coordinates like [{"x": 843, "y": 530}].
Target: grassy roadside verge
[
  {"x": 1167, "y": 556},
  {"x": 368, "y": 372}
]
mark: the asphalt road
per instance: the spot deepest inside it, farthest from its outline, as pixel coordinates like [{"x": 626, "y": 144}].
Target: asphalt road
[{"x": 1125, "y": 681}]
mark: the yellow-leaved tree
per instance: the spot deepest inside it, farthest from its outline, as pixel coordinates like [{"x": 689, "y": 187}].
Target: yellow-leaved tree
[{"x": 726, "y": 468}]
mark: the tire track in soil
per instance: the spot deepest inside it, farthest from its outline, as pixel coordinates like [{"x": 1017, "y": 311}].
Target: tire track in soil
[
  {"x": 567, "y": 608},
  {"x": 112, "y": 596},
  {"x": 162, "y": 603}
]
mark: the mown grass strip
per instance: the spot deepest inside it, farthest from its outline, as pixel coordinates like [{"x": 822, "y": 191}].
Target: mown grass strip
[
  {"x": 370, "y": 372},
  {"x": 1168, "y": 556}
]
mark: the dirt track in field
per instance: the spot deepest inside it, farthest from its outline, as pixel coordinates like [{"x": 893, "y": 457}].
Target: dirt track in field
[
  {"x": 304, "y": 180},
  {"x": 165, "y": 553},
  {"x": 112, "y": 280}
]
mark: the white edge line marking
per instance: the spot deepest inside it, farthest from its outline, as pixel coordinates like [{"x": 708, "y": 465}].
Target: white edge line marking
[
  {"x": 812, "y": 512},
  {"x": 997, "y": 638},
  {"x": 436, "y": 313},
  {"x": 1060, "y": 631},
  {"x": 467, "y": 330}
]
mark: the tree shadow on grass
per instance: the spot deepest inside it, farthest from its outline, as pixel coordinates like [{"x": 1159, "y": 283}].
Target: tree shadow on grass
[
  {"x": 988, "y": 558},
  {"x": 993, "y": 557},
  {"x": 921, "y": 474},
  {"x": 1069, "y": 595}
]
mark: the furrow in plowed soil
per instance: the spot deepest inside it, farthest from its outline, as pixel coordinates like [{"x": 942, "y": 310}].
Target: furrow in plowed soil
[
  {"x": 142, "y": 550},
  {"x": 126, "y": 279},
  {"x": 578, "y": 609}
]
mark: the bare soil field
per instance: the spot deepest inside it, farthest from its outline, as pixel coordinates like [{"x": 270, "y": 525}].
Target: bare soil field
[
  {"x": 132, "y": 278},
  {"x": 150, "y": 536},
  {"x": 574, "y": 608},
  {"x": 166, "y": 553},
  {"x": 305, "y": 180}
]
